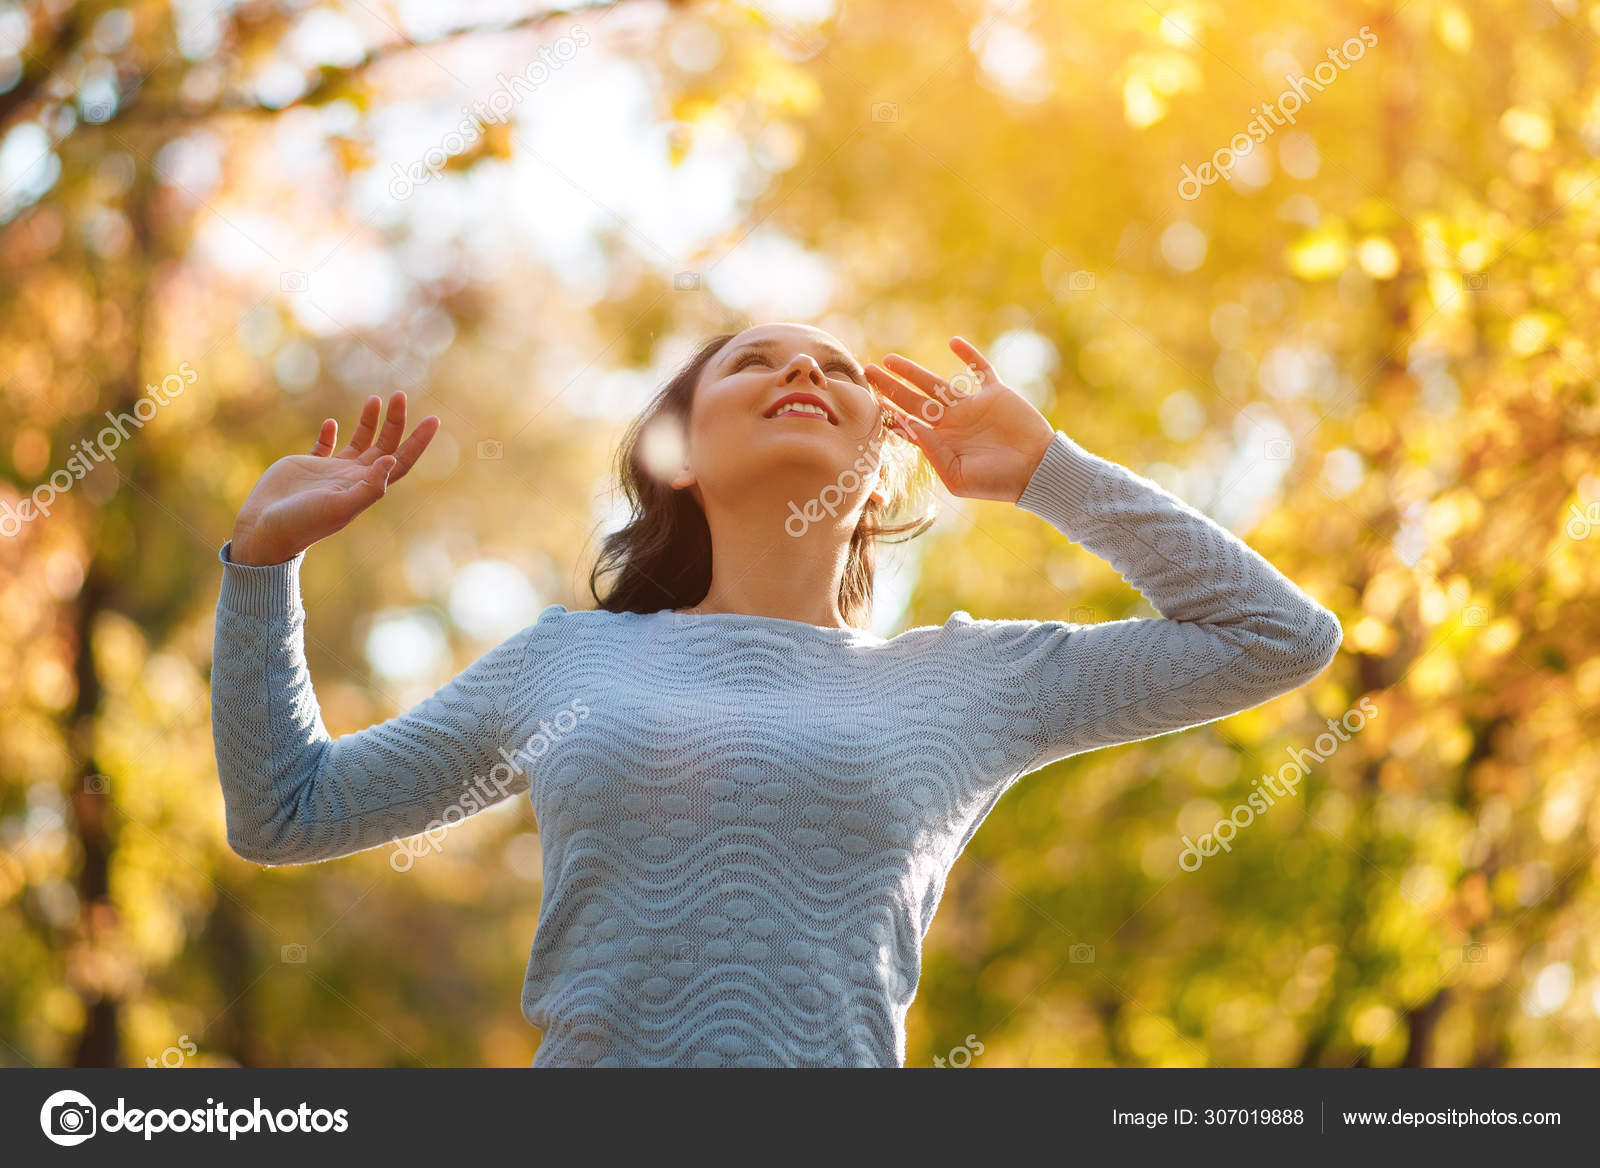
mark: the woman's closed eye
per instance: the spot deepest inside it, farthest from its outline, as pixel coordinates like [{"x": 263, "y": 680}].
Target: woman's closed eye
[{"x": 849, "y": 372}]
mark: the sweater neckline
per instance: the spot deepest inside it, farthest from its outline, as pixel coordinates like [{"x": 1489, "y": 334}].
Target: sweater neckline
[{"x": 745, "y": 619}]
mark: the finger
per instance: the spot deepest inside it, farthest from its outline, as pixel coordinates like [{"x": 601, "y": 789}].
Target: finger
[
  {"x": 365, "y": 429},
  {"x": 372, "y": 485},
  {"x": 973, "y": 358},
  {"x": 394, "y": 423},
  {"x": 914, "y": 373},
  {"x": 326, "y": 438},
  {"x": 351, "y": 496},
  {"x": 411, "y": 449},
  {"x": 928, "y": 408}
]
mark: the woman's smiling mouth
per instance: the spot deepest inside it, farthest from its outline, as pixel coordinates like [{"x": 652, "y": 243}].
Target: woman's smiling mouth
[{"x": 806, "y": 405}]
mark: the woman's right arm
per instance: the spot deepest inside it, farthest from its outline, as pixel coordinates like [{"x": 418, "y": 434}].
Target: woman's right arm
[{"x": 293, "y": 793}]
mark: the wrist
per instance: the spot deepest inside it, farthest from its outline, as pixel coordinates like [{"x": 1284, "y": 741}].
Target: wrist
[
  {"x": 1033, "y": 458},
  {"x": 248, "y": 550}
]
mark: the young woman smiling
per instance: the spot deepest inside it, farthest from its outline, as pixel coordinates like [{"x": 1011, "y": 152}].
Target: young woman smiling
[{"x": 747, "y": 835}]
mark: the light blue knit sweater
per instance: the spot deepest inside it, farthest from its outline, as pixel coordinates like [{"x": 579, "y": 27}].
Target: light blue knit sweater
[{"x": 747, "y": 822}]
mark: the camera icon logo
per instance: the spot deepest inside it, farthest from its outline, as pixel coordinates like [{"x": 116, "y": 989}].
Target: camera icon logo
[
  {"x": 1475, "y": 281},
  {"x": 294, "y": 954},
  {"x": 685, "y": 281},
  {"x": 1475, "y": 952},
  {"x": 68, "y": 1118},
  {"x": 681, "y": 962},
  {"x": 1081, "y": 281},
  {"x": 1081, "y": 955},
  {"x": 1277, "y": 449},
  {"x": 96, "y": 784},
  {"x": 490, "y": 448},
  {"x": 293, "y": 282},
  {"x": 885, "y": 111}
]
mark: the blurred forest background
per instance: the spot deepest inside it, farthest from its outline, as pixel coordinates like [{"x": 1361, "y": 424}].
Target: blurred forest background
[{"x": 1368, "y": 351}]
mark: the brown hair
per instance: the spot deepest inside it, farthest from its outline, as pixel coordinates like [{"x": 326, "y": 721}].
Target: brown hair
[{"x": 662, "y": 557}]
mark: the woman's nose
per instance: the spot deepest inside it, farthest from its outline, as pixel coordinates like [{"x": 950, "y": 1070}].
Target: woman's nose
[{"x": 804, "y": 367}]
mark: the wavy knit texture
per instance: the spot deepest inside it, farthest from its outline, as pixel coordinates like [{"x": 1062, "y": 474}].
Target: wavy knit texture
[{"x": 747, "y": 821}]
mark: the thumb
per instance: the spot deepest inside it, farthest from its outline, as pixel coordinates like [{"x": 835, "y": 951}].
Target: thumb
[{"x": 376, "y": 481}]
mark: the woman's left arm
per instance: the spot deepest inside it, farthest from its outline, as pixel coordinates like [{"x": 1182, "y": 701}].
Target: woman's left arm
[{"x": 1233, "y": 632}]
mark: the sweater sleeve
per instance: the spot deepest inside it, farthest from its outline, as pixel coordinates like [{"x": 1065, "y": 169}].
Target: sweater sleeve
[
  {"x": 1233, "y": 632},
  {"x": 295, "y": 795}
]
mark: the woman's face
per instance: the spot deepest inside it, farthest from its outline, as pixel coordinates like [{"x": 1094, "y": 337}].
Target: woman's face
[{"x": 786, "y": 404}]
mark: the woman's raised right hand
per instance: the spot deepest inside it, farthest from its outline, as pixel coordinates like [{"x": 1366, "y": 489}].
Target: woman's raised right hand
[{"x": 306, "y": 497}]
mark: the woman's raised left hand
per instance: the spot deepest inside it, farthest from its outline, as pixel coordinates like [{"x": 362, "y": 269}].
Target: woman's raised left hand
[{"x": 983, "y": 438}]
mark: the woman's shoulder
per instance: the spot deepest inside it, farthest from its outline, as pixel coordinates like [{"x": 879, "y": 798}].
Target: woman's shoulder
[
  {"x": 555, "y": 614},
  {"x": 966, "y": 636},
  {"x": 559, "y": 620},
  {"x": 557, "y": 624},
  {"x": 558, "y": 633}
]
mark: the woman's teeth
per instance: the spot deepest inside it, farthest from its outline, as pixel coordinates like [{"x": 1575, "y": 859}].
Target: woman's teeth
[{"x": 802, "y": 408}]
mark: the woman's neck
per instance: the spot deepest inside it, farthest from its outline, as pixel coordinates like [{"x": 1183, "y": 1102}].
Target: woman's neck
[{"x": 760, "y": 569}]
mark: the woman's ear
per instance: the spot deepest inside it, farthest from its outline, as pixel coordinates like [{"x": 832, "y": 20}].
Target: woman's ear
[
  {"x": 684, "y": 478},
  {"x": 877, "y": 494}
]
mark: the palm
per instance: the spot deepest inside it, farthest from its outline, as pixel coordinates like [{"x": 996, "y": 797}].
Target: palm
[
  {"x": 983, "y": 444},
  {"x": 303, "y": 498},
  {"x": 314, "y": 495}
]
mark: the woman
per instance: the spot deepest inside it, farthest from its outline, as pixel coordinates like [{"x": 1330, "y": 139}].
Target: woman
[{"x": 748, "y": 802}]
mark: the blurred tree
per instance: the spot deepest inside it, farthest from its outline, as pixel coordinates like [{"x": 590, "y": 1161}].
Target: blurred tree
[{"x": 1379, "y": 323}]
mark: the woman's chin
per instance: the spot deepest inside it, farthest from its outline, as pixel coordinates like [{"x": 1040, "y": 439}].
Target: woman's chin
[{"x": 824, "y": 448}]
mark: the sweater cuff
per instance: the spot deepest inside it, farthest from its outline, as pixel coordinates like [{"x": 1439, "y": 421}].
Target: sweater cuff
[
  {"x": 1059, "y": 489},
  {"x": 267, "y": 590}
]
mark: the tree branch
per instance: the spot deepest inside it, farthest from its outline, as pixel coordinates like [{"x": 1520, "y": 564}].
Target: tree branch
[
  {"x": 42, "y": 66},
  {"x": 333, "y": 79}
]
